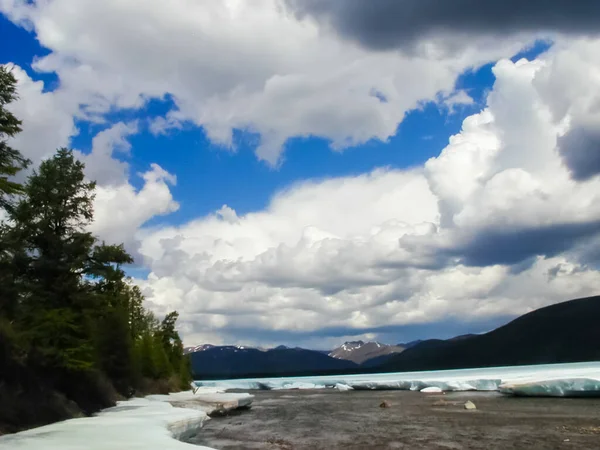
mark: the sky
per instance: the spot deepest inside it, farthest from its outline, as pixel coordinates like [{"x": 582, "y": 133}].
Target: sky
[{"x": 306, "y": 172}]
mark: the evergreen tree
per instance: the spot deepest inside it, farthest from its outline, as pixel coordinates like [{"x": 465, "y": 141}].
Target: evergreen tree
[
  {"x": 50, "y": 222},
  {"x": 70, "y": 319},
  {"x": 11, "y": 160}
]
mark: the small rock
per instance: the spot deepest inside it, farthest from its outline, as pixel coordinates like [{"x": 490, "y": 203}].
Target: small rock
[
  {"x": 567, "y": 440},
  {"x": 470, "y": 405},
  {"x": 385, "y": 404}
]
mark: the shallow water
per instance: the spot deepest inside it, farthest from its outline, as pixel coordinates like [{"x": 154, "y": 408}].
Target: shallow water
[{"x": 329, "y": 419}]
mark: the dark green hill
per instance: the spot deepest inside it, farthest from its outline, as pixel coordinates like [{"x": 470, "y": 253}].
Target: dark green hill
[{"x": 561, "y": 333}]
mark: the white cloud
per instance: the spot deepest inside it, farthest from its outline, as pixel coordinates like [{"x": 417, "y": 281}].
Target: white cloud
[
  {"x": 491, "y": 227},
  {"x": 101, "y": 164},
  {"x": 119, "y": 208},
  {"x": 238, "y": 65},
  {"x": 47, "y": 118},
  {"x": 502, "y": 221},
  {"x": 455, "y": 100}
]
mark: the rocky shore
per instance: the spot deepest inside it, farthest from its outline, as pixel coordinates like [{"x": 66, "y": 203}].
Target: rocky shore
[{"x": 330, "y": 420}]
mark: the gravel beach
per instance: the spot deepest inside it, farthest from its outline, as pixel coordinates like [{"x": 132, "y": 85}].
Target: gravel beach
[{"x": 328, "y": 419}]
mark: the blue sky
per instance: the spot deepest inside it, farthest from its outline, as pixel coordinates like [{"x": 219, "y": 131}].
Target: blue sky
[
  {"x": 372, "y": 239},
  {"x": 210, "y": 175}
]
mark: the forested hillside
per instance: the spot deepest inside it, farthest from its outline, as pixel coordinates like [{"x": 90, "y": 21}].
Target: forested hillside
[
  {"x": 562, "y": 333},
  {"x": 74, "y": 334}
]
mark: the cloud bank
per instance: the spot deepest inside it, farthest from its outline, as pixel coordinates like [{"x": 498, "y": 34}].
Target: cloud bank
[
  {"x": 388, "y": 24},
  {"x": 233, "y": 65},
  {"x": 496, "y": 225},
  {"x": 504, "y": 220}
]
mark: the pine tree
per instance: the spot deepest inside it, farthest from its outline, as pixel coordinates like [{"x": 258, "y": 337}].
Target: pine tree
[
  {"x": 50, "y": 222},
  {"x": 110, "y": 314},
  {"x": 70, "y": 320},
  {"x": 11, "y": 160},
  {"x": 171, "y": 341}
]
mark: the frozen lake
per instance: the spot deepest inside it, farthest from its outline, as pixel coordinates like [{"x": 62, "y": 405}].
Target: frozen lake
[{"x": 554, "y": 379}]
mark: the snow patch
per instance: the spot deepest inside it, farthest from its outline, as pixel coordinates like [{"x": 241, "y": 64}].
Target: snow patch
[
  {"x": 140, "y": 423},
  {"x": 432, "y": 390},
  {"x": 296, "y": 385},
  {"x": 563, "y": 387}
]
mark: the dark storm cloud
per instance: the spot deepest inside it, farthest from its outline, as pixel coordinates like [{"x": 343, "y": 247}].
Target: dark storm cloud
[
  {"x": 513, "y": 247},
  {"x": 384, "y": 24},
  {"x": 389, "y": 334},
  {"x": 517, "y": 247},
  {"x": 580, "y": 151}
]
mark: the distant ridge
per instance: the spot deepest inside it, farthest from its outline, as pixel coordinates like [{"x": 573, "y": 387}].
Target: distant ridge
[
  {"x": 360, "y": 351},
  {"x": 560, "y": 333},
  {"x": 235, "y": 362}
]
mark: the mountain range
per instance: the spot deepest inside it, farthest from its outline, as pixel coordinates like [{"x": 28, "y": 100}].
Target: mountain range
[
  {"x": 360, "y": 351},
  {"x": 564, "y": 332},
  {"x": 240, "y": 362}
]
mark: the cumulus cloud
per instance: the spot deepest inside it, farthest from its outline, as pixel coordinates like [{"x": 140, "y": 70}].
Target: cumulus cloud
[
  {"x": 47, "y": 117},
  {"x": 119, "y": 208},
  {"x": 229, "y": 65},
  {"x": 101, "y": 163},
  {"x": 580, "y": 149},
  {"x": 385, "y": 24},
  {"x": 504, "y": 220},
  {"x": 492, "y": 227}
]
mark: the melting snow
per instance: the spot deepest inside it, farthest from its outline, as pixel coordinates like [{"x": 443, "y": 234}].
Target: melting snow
[
  {"x": 559, "y": 387},
  {"x": 141, "y": 423},
  {"x": 555, "y": 380},
  {"x": 432, "y": 390}
]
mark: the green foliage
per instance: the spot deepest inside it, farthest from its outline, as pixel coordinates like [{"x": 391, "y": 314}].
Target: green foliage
[
  {"x": 115, "y": 349},
  {"x": 67, "y": 309},
  {"x": 58, "y": 340}
]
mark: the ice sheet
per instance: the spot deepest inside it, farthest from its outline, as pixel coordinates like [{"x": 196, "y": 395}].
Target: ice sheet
[
  {"x": 432, "y": 390},
  {"x": 563, "y": 387},
  {"x": 486, "y": 379},
  {"x": 142, "y": 423}
]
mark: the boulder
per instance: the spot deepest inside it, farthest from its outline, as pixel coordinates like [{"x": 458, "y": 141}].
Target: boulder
[
  {"x": 385, "y": 404},
  {"x": 470, "y": 405}
]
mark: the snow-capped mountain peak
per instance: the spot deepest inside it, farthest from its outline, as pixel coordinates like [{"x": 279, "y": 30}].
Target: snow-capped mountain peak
[{"x": 360, "y": 351}]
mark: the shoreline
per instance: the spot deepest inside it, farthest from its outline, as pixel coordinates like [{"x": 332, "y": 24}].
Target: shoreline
[
  {"x": 332, "y": 420},
  {"x": 167, "y": 421},
  {"x": 155, "y": 421}
]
